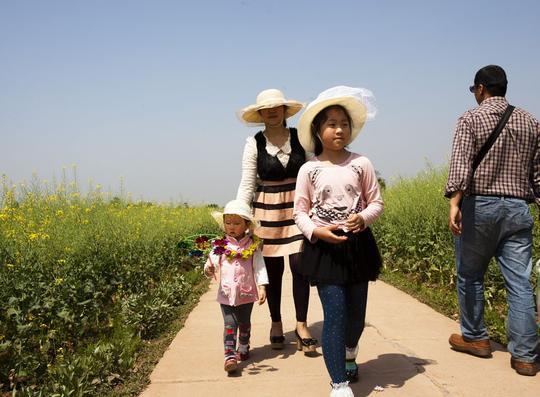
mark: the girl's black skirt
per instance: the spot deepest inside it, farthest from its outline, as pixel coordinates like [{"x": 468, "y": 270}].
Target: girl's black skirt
[{"x": 355, "y": 260}]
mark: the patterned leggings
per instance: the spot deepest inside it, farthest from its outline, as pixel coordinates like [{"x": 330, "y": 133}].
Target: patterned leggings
[
  {"x": 237, "y": 320},
  {"x": 344, "y": 308}
]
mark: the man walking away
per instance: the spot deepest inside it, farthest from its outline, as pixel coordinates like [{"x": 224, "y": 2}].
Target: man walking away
[{"x": 490, "y": 188}]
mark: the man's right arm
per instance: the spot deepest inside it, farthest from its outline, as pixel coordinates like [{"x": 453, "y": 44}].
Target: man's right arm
[{"x": 460, "y": 172}]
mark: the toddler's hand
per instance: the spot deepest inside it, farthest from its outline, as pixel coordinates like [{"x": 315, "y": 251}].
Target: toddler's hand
[
  {"x": 262, "y": 294},
  {"x": 355, "y": 223},
  {"x": 209, "y": 271}
]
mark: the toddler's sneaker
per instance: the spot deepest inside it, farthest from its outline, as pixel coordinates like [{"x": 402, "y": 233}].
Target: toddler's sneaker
[
  {"x": 243, "y": 352},
  {"x": 230, "y": 365}
]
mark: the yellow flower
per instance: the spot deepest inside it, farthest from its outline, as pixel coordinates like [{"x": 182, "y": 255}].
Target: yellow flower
[
  {"x": 59, "y": 213},
  {"x": 33, "y": 236},
  {"x": 58, "y": 280}
]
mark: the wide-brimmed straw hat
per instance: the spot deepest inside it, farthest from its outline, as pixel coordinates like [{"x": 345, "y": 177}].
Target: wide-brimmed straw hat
[
  {"x": 359, "y": 103},
  {"x": 234, "y": 207},
  {"x": 267, "y": 99}
]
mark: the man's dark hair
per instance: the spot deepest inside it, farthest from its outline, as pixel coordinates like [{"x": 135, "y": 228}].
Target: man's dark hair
[{"x": 493, "y": 78}]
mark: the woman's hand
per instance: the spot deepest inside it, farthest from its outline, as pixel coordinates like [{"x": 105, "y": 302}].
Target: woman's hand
[
  {"x": 262, "y": 294},
  {"x": 325, "y": 234},
  {"x": 355, "y": 223}
]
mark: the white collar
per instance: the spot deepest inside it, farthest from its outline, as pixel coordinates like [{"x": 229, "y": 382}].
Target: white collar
[{"x": 273, "y": 150}]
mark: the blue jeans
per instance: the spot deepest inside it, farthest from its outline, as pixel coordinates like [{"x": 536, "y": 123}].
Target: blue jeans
[
  {"x": 502, "y": 228},
  {"x": 344, "y": 308}
]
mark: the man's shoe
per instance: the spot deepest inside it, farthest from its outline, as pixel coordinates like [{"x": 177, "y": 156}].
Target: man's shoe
[
  {"x": 524, "y": 368},
  {"x": 479, "y": 348}
]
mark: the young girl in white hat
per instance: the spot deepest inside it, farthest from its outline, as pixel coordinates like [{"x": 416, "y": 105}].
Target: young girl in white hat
[
  {"x": 270, "y": 164},
  {"x": 337, "y": 198},
  {"x": 238, "y": 261}
]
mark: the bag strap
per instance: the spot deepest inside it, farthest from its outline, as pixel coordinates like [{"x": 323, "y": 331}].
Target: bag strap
[{"x": 493, "y": 137}]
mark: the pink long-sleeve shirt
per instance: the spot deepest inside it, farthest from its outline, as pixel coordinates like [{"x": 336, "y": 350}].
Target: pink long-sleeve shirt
[{"x": 327, "y": 194}]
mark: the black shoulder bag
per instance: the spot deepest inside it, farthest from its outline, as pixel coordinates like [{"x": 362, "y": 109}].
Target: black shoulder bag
[
  {"x": 492, "y": 138},
  {"x": 490, "y": 141}
]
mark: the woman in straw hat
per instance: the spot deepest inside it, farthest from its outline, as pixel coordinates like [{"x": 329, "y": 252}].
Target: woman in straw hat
[
  {"x": 337, "y": 198},
  {"x": 270, "y": 164}
]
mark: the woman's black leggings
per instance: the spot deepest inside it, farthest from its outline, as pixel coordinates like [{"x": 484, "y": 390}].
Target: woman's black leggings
[{"x": 275, "y": 267}]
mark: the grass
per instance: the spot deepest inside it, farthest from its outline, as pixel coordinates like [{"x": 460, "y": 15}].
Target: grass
[
  {"x": 85, "y": 283},
  {"x": 152, "y": 350}
]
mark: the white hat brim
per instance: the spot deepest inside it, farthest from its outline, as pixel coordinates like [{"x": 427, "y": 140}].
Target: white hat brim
[
  {"x": 218, "y": 217},
  {"x": 359, "y": 103},
  {"x": 248, "y": 216}
]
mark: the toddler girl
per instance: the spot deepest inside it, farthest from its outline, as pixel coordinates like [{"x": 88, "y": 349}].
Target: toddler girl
[{"x": 238, "y": 261}]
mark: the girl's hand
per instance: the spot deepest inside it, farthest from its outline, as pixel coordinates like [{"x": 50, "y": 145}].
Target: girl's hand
[
  {"x": 355, "y": 223},
  {"x": 325, "y": 234},
  {"x": 209, "y": 271},
  {"x": 262, "y": 294}
]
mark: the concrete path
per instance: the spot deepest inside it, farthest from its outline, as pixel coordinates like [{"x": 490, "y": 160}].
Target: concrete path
[{"x": 404, "y": 350}]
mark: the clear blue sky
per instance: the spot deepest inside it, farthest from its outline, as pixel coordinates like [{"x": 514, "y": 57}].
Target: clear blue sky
[{"x": 146, "y": 91}]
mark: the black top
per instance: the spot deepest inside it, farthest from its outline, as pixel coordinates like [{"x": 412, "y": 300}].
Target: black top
[{"x": 270, "y": 168}]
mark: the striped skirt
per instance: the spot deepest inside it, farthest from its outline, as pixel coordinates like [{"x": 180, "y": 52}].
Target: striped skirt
[{"x": 273, "y": 206}]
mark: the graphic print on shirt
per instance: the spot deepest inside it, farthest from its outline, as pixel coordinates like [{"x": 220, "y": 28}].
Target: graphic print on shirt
[{"x": 334, "y": 202}]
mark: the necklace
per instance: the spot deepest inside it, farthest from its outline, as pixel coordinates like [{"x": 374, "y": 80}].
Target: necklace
[{"x": 223, "y": 247}]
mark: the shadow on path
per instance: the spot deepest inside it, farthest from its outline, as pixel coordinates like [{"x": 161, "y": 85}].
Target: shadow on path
[{"x": 390, "y": 370}]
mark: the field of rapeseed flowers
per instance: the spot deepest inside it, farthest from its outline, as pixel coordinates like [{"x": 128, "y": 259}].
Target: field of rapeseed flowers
[{"x": 83, "y": 280}]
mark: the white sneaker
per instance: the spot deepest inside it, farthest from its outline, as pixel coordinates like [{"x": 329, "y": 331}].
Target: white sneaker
[{"x": 341, "y": 390}]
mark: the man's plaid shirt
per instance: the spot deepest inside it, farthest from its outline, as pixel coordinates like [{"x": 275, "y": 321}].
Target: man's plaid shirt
[{"x": 512, "y": 165}]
